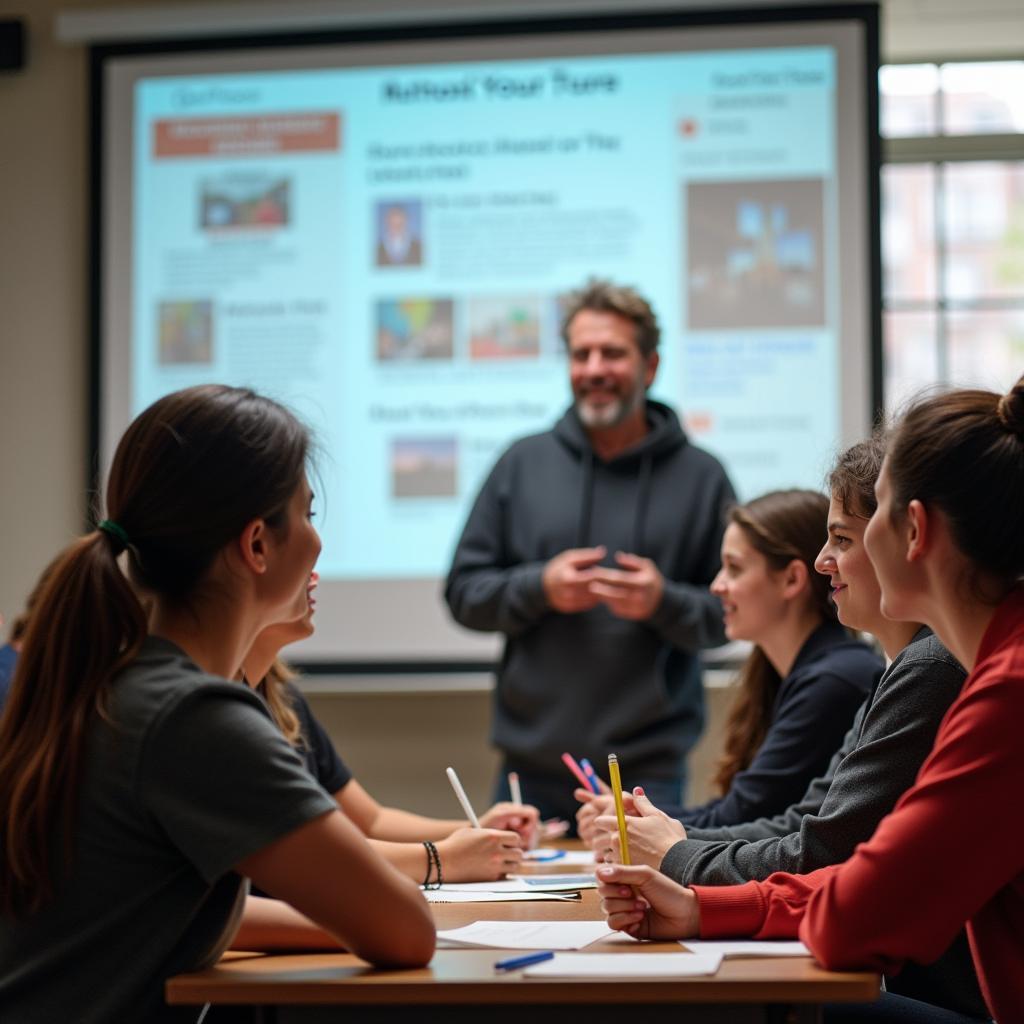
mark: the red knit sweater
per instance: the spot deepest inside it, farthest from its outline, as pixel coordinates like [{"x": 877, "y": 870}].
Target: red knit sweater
[{"x": 951, "y": 851}]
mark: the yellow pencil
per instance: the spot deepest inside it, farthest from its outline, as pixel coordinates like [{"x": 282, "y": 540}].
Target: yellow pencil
[{"x": 620, "y": 811}]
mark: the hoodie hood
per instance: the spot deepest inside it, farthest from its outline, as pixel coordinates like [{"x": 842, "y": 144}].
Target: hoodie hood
[{"x": 664, "y": 436}]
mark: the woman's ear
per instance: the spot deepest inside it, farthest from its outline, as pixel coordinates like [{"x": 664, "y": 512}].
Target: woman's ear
[
  {"x": 917, "y": 530},
  {"x": 795, "y": 579},
  {"x": 252, "y": 546}
]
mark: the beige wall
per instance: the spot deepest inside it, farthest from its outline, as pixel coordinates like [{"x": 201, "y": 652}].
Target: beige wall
[
  {"x": 394, "y": 742},
  {"x": 398, "y": 745}
]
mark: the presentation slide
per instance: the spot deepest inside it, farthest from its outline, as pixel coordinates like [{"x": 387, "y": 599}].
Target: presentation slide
[{"x": 387, "y": 248}]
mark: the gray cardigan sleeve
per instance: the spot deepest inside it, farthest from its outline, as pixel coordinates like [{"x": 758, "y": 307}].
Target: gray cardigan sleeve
[{"x": 898, "y": 732}]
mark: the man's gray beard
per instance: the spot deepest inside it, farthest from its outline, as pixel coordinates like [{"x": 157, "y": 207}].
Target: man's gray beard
[{"x": 610, "y": 415}]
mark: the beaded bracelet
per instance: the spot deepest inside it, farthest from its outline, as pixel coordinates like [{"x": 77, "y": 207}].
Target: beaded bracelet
[{"x": 433, "y": 864}]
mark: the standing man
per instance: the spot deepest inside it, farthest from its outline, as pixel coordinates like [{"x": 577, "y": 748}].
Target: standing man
[{"x": 591, "y": 547}]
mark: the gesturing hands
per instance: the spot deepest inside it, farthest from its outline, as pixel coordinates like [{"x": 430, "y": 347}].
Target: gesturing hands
[
  {"x": 574, "y": 582},
  {"x": 645, "y": 904},
  {"x": 567, "y": 579},
  {"x": 632, "y": 591},
  {"x": 652, "y": 833}
]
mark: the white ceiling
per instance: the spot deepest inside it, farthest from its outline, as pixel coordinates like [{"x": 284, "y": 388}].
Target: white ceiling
[{"x": 911, "y": 29}]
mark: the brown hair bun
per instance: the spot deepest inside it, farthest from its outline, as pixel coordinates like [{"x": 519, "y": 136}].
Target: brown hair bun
[{"x": 1010, "y": 409}]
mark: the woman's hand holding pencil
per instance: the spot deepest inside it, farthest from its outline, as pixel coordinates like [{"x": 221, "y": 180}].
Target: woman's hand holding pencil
[
  {"x": 646, "y": 904},
  {"x": 651, "y": 832},
  {"x": 592, "y": 807},
  {"x": 521, "y": 818},
  {"x": 479, "y": 854}
]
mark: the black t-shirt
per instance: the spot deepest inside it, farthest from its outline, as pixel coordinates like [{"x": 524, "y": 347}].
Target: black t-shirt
[
  {"x": 185, "y": 777},
  {"x": 317, "y": 750}
]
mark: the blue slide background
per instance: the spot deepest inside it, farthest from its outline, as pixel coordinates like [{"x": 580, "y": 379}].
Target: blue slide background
[{"x": 706, "y": 179}]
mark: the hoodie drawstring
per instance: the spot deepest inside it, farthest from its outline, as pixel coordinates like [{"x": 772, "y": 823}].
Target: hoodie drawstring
[
  {"x": 643, "y": 495},
  {"x": 586, "y": 499},
  {"x": 642, "y": 499}
]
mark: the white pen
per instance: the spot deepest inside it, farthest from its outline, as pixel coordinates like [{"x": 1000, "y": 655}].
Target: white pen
[
  {"x": 514, "y": 788},
  {"x": 463, "y": 799}
]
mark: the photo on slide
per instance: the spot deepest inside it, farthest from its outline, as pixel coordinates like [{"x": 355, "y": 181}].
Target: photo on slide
[
  {"x": 755, "y": 254},
  {"x": 505, "y": 326},
  {"x": 185, "y": 333},
  {"x": 250, "y": 200},
  {"x": 415, "y": 328},
  {"x": 424, "y": 467},
  {"x": 399, "y": 241}
]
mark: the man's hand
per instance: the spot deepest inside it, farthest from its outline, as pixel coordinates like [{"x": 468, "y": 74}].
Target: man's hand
[
  {"x": 652, "y": 833},
  {"x": 645, "y": 904},
  {"x": 631, "y": 592},
  {"x": 567, "y": 578}
]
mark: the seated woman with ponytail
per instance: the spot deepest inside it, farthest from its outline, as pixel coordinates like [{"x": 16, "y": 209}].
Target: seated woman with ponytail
[
  {"x": 428, "y": 850},
  {"x": 948, "y": 549},
  {"x": 139, "y": 788},
  {"x": 802, "y": 683}
]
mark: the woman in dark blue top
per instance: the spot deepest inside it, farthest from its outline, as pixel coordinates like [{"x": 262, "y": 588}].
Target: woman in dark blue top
[
  {"x": 425, "y": 849},
  {"x": 804, "y": 679}
]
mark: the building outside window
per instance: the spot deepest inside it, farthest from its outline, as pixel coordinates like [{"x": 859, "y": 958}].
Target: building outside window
[{"x": 952, "y": 225}]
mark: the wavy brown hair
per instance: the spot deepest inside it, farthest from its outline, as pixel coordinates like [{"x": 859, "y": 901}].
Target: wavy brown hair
[
  {"x": 782, "y": 526},
  {"x": 190, "y": 472},
  {"x": 273, "y": 688},
  {"x": 852, "y": 480}
]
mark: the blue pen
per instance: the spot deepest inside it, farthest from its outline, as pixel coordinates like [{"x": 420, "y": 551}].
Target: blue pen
[
  {"x": 545, "y": 857},
  {"x": 515, "y": 962},
  {"x": 588, "y": 770}
]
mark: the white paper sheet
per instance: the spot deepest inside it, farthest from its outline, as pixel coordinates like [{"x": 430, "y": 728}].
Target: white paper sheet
[
  {"x": 443, "y": 895},
  {"x": 570, "y": 858},
  {"x": 626, "y": 965},
  {"x": 524, "y": 935},
  {"x": 556, "y": 883},
  {"x": 518, "y": 883},
  {"x": 745, "y": 947}
]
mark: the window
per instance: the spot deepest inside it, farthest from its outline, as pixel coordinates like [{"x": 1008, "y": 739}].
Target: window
[{"x": 952, "y": 225}]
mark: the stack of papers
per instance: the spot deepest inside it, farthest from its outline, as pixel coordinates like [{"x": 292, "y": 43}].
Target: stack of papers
[
  {"x": 445, "y": 895},
  {"x": 626, "y": 965},
  {"x": 549, "y": 887},
  {"x": 522, "y": 883},
  {"x": 773, "y": 947},
  {"x": 523, "y": 935}
]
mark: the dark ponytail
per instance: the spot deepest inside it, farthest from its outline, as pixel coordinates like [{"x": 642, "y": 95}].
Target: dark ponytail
[
  {"x": 963, "y": 452},
  {"x": 188, "y": 475}
]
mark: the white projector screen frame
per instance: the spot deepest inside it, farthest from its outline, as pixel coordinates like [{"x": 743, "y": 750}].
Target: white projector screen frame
[{"x": 357, "y": 616}]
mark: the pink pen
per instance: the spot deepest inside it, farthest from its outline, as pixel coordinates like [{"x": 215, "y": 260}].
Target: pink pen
[{"x": 570, "y": 762}]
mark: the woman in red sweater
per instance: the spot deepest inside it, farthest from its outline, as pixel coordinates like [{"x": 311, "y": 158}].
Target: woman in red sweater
[{"x": 948, "y": 548}]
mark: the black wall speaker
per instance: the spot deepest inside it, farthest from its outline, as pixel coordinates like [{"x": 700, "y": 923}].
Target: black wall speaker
[{"x": 12, "y": 44}]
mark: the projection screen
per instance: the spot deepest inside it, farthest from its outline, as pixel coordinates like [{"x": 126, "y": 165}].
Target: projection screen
[{"x": 379, "y": 228}]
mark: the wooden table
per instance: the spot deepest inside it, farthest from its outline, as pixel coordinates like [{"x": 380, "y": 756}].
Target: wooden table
[{"x": 462, "y": 984}]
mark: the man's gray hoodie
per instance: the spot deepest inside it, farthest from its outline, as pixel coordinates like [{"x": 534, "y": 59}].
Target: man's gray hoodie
[{"x": 591, "y": 682}]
